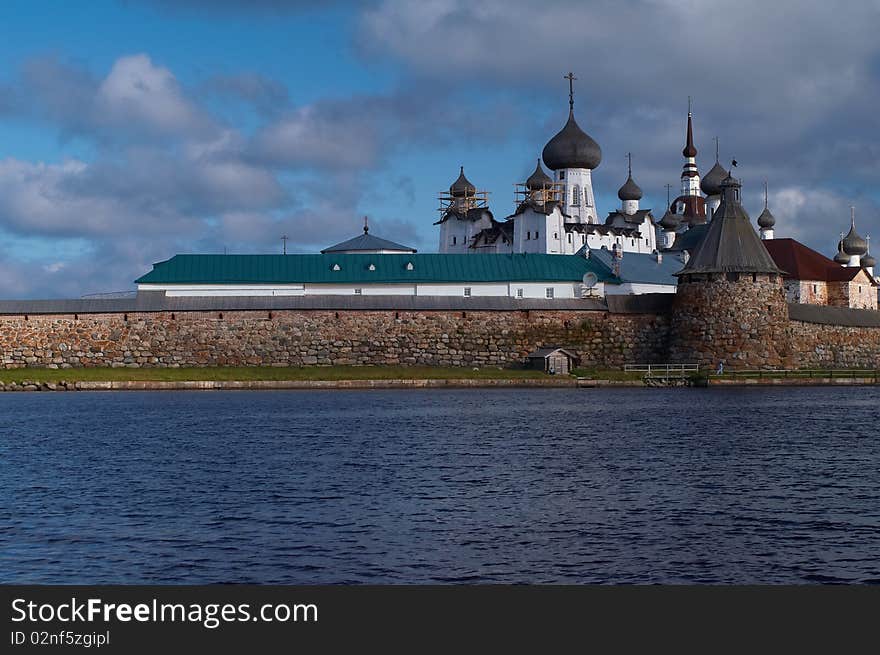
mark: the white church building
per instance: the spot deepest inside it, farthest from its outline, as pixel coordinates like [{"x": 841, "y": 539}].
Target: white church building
[{"x": 554, "y": 215}]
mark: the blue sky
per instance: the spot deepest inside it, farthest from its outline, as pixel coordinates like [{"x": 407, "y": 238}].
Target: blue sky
[{"x": 131, "y": 130}]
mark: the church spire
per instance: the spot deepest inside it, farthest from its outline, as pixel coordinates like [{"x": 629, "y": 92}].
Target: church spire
[
  {"x": 690, "y": 150},
  {"x": 690, "y": 176}
]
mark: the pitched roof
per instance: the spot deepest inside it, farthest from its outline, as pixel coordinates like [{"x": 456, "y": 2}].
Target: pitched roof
[
  {"x": 731, "y": 244},
  {"x": 355, "y": 268},
  {"x": 641, "y": 267},
  {"x": 546, "y": 352},
  {"x": 367, "y": 242},
  {"x": 690, "y": 239},
  {"x": 799, "y": 262}
]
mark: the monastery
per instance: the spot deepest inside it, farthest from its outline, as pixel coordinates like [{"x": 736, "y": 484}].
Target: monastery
[{"x": 553, "y": 245}]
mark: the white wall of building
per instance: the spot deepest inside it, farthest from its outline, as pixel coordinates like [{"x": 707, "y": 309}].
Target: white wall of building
[
  {"x": 459, "y": 289},
  {"x": 580, "y": 202}
]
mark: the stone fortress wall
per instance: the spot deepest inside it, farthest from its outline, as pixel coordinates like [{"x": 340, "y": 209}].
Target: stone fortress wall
[
  {"x": 603, "y": 338},
  {"x": 348, "y": 337}
]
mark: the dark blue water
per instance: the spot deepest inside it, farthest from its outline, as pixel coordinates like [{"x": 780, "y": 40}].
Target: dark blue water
[{"x": 676, "y": 486}]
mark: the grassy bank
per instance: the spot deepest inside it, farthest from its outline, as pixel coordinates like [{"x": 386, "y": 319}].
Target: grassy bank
[{"x": 245, "y": 373}]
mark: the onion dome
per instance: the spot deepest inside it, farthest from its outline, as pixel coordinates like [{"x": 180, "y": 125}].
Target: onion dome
[
  {"x": 841, "y": 257},
  {"x": 853, "y": 243},
  {"x": 669, "y": 221},
  {"x": 462, "y": 186},
  {"x": 571, "y": 148},
  {"x": 766, "y": 219},
  {"x": 630, "y": 190},
  {"x": 711, "y": 184},
  {"x": 539, "y": 179},
  {"x": 868, "y": 261}
]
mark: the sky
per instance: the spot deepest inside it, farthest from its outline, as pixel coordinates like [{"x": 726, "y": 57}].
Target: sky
[{"x": 133, "y": 130}]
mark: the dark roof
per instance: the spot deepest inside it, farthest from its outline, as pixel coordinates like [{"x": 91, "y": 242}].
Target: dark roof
[
  {"x": 711, "y": 184},
  {"x": 472, "y": 214},
  {"x": 630, "y": 190},
  {"x": 731, "y": 244},
  {"x": 543, "y": 353},
  {"x": 157, "y": 301},
  {"x": 690, "y": 239},
  {"x": 853, "y": 243},
  {"x": 689, "y": 149},
  {"x": 670, "y": 221},
  {"x": 828, "y": 315},
  {"x": 366, "y": 242},
  {"x": 636, "y": 218},
  {"x": 492, "y": 234},
  {"x": 640, "y": 303},
  {"x": 571, "y": 147},
  {"x": 604, "y": 230},
  {"x": 539, "y": 179},
  {"x": 462, "y": 186},
  {"x": 545, "y": 208},
  {"x": 355, "y": 268}
]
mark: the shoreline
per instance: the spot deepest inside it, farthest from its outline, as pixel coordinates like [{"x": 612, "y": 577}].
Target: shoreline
[{"x": 405, "y": 383}]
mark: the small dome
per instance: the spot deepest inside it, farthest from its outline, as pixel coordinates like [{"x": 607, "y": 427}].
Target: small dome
[
  {"x": 630, "y": 190},
  {"x": 766, "y": 220},
  {"x": 711, "y": 184},
  {"x": 669, "y": 221},
  {"x": 571, "y": 148},
  {"x": 539, "y": 179},
  {"x": 841, "y": 257},
  {"x": 462, "y": 186},
  {"x": 868, "y": 261},
  {"x": 853, "y": 243}
]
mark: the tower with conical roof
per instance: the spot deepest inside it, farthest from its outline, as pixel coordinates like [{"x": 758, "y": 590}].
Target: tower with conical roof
[
  {"x": 766, "y": 220},
  {"x": 730, "y": 304},
  {"x": 572, "y": 154}
]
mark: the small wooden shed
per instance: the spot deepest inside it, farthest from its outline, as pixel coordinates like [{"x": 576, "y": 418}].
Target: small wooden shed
[{"x": 553, "y": 360}]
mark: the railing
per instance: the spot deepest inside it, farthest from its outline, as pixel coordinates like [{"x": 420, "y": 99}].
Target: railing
[
  {"x": 662, "y": 370},
  {"x": 829, "y": 373}
]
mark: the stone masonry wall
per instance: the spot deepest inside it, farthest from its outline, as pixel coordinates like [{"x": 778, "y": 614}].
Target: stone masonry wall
[
  {"x": 295, "y": 338},
  {"x": 737, "y": 319},
  {"x": 835, "y": 346}
]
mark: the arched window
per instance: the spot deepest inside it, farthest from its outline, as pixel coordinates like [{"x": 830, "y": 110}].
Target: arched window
[{"x": 575, "y": 195}]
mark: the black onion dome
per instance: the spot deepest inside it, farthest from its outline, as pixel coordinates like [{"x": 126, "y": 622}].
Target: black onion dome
[
  {"x": 853, "y": 243},
  {"x": 462, "y": 186},
  {"x": 539, "y": 179},
  {"x": 669, "y": 221},
  {"x": 711, "y": 184},
  {"x": 766, "y": 219},
  {"x": 571, "y": 148},
  {"x": 630, "y": 190},
  {"x": 868, "y": 261},
  {"x": 841, "y": 257}
]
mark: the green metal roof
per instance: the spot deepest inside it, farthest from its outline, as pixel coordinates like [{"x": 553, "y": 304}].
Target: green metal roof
[{"x": 355, "y": 268}]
